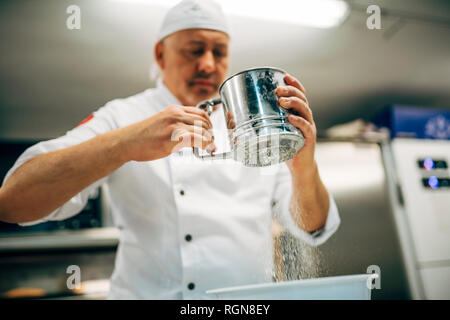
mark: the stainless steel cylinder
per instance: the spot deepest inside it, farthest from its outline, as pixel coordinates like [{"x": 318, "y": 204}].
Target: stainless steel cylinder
[{"x": 259, "y": 132}]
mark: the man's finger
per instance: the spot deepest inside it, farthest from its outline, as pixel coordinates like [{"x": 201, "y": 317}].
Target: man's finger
[
  {"x": 195, "y": 119},
  {"x": 289, "y": 91},
  {"x": 294, "y": 103},
  {"x": 290, "y": 80},
  {"x": 189, "y": 137},
  {"x": 192, "y": 139},
  {"x": 197, "y": 111},
  {"x": 207, "y": 133},
  {"x": 183, "y": 130},
  {"x": 305, "y": 127}
]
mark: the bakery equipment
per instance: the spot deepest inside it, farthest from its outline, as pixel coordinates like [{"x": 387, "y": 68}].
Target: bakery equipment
[{"x": 259, "y": 132}]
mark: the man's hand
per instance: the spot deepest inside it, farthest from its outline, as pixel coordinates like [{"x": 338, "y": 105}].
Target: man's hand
[
  {"x": 309, "y": 202},
  {"x": 293, "y": 97},
  {"x": 169, "y": 130}
]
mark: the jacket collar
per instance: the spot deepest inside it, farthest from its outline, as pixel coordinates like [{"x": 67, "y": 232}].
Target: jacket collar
[{"x": 167, "y": 97}]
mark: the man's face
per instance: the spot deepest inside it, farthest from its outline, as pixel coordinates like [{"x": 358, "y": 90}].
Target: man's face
[{"x": 194, "y": 63}]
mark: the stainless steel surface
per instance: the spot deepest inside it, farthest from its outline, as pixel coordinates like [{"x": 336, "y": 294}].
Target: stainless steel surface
[
  {"x": 88, "y": 238},
  {"x": 258, "y": 129}
]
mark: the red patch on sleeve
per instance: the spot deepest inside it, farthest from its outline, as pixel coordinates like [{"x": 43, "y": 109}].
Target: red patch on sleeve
[{"x": 86, "y": 120}]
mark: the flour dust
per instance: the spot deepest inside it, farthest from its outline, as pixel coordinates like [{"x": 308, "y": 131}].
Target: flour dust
[{"x": 295, "y": 259}]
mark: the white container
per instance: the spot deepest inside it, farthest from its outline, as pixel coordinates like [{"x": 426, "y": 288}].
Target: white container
[{"x": 351, "y": 287}]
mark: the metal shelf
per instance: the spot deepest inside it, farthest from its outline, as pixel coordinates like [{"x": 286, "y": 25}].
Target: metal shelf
[{"x": 65, "y": 239}]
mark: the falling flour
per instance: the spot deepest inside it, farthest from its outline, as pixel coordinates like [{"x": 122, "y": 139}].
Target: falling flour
[
  {"x": 292, "y": 259},
  {"x": 298, "y": 259}
]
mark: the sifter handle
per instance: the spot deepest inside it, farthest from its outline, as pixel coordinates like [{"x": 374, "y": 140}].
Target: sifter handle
[{"x": 207, "y": 106}]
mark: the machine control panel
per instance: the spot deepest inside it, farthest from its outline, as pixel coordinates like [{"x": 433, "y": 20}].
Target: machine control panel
[
  {"x": 434, "y": 182},
  {"x": 434, "y": 173},
  {"x": 431, "y": 164}
]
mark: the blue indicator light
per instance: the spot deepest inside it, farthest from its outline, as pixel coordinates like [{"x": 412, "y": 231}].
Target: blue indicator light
[
  {"x": 428, "y": 164},
  {"x": 433, "y": 182}
]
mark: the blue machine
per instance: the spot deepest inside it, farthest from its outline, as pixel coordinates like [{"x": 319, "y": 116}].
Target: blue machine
[{"x": 415, "y": 122}]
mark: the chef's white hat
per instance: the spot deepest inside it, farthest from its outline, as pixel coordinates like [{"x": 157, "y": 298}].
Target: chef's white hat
[{"x": 193, "y": 14}]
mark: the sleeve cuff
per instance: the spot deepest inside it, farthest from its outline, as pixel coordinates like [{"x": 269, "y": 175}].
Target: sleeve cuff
[
  {"x": 69, "y": 209},
  {"x": 49, "y": 217},
  {"x": 317, "y": 237}
]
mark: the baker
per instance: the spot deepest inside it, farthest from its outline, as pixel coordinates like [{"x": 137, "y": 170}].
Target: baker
[{"x": 186, "y": 226}]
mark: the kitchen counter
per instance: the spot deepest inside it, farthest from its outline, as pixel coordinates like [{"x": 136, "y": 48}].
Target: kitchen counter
[
  {"x": 65, "y": 239},
  {"x": 37, "y": 265}
]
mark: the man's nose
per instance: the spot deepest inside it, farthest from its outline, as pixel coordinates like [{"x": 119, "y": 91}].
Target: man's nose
[{"x": 207, "y": 63}]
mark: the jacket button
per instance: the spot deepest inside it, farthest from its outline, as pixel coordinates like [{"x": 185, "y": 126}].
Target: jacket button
[
  {"x": 182, "y": 192},
  {"x": 191, "y": 286},
  {"x": 188, "y": 237}
]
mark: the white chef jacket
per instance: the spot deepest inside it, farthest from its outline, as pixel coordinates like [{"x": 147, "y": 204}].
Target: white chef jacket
[{"x": 223, "y": 206}]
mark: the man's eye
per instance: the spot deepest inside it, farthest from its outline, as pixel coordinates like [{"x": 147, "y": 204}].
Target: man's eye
[
  {"x": 197, "y": 52},
  {"x": 219, "y": 53}
]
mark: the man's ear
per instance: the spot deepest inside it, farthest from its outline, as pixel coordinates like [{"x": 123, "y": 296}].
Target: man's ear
[{"x": 159, "y": 54}]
